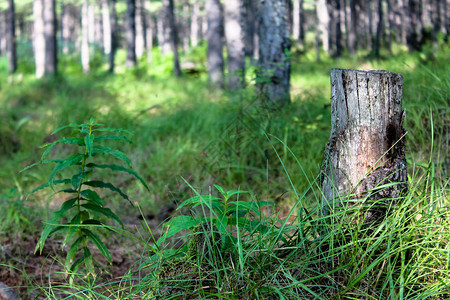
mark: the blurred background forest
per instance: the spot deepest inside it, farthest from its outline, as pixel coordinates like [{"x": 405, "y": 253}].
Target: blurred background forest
[{"x": 232, "y": 92}]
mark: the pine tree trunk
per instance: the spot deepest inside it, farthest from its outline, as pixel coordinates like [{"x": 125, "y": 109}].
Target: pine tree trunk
[
  {"x": 366, "y": 145},
  {"x": 352, "y": 34},
  {"x": 170, "y": 26},
  {"x": 214, "y": 40},
  {"x": 196, "y": 24},
  {"x": 130, "y": 34},
  {"x": 140, "y": 29},
  {"x": 113, "y": 24},
  {"x": 39, "y": 37},
  {"x": 323, "y": 19},
  {"x": 106, "y": 27},
  {"x": 235, "y": 44},
  {"x": 11, "y": 37},
  {"x": 274, "y": 47},
  {"x": 85, "y": 56}
]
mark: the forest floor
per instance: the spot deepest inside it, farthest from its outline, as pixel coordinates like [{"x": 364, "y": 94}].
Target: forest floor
[{"x": 184, "y": 129}]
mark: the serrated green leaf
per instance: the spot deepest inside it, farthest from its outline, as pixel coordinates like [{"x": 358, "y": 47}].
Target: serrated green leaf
[
  {"x": 98, "y": 243},
  {"x": 112, "y": 137},
  {"x": 179, "y": 223},
  {"x": 112, "y": 130},
  {"x": 220, "y": 189},
  {"x": 47, "y": 151},
  {"x": 70, "y": 161},
  {"x": 73, "y": 251},
  {"x": 66, "y": 126},
  {"x": 119, "y": 168},
  {"x": 234, "y": 192},
  {"x": 53, "y": 222},
  {"x": 197, "y": 200},
  {"x": 89, "y": 142},
  {"x": 93, "y": 196},
  {"x": 73, "y": 226},
  {"x": 107, "y": 185},
  {"x": 115, "y": 153},
  {"x": 56, "y": 182},
  {"x": 88, "y": 260},
  {"x": 102, "y": 210}
]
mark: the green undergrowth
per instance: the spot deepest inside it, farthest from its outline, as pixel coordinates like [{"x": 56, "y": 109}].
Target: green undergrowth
[{"x": 184, "y": 128}]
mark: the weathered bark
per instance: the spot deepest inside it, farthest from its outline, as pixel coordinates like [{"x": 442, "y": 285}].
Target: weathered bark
[
  {"x": 172, "y": 33},
  {"x": 274, "y": 48},
  {"x": 130, "y": 34},
  {"x": 366, "y": 145},
  {"x": 235, "y": 44},
  {"x": 85, "y": 56},
  {"x": 214, "y": 40},
  {"x": 11, "y": 38}
]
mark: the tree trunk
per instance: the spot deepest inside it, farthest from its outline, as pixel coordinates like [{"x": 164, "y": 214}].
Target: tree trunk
[
  {"x": 249, "y": 26},
  {"x": 379, "y": 29},
  {"x": 11, "y": 38},
  {"x": 352, "y": 34},
  {"x": 323, "y": 20},
  {"x": 366, "y": 145},
  {"x": 130, "y": 34},
  {"x": 298, "y": 20},
  {"x": 186, "y": 25},
  {"x": 140, "y": 29},
  {"x": 334, "y": 9},
  {"x": 196, "y": 24},
  {"x": 39, "y": 38},
  {"x": 274, "y": 47},
  {"x": 106, "y": 27},
  {"x": 85, "y": 56},
  {"x": 113, "y": 24},
  {"x": 235, "y": 44},
  {"x": 51, "y": 61},
  {"x": 151, "y": 25},
  {"x": 214, "y": 40},
  {"x": 170, "y": 25}
]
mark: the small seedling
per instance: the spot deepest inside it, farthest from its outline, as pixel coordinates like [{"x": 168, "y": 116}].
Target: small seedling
[{"x": 85, "y": 206}]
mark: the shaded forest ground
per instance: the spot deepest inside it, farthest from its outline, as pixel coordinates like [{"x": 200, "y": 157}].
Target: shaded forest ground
[{"x": 185, "y": 129}]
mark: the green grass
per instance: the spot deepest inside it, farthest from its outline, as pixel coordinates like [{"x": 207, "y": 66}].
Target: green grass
[{"x": 185, "y": 129}]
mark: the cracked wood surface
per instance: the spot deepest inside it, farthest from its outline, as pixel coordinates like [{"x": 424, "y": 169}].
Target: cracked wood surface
[{"x": 366, "y": 144}]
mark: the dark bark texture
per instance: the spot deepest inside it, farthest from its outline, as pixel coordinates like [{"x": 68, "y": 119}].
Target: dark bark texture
[
  {"x": 366, "y": 145},
  {"x": 170, "y": 25},
  {"x": 51, "y": 54},
  {"x": 11, "y": 38},
  {"x": 130, "y": 33},
  {"x": 274, "y": 48}
]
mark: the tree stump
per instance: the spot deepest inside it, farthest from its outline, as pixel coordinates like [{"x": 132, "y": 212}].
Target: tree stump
[{"x": 365, "y": 151}]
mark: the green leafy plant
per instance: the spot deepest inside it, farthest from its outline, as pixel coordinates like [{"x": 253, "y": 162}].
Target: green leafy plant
[
  {"x": 85, "y": 206},
  {"x": 225, "y": 213}
]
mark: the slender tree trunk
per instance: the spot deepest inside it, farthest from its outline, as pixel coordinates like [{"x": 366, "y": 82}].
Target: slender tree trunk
[
  {"x": 85, "y": 55},
  {"x": 366, "y": 145},
  {"x": 298, "y": 20},
  {"x": 274, "y": 47},
  {"x": 214, "y": 39},
  {"x": 107, "y": 33},
  {"x": 130, "y": 34},
  {"x": 11, "y": 37},
  {"x": 150, "y": 31},
  {"x": 140, "y": 29},
  {"x": 352, "y": 35},
  {"x": 250, "y": 31},
  {"x": 113, "y": 24},
  {"x": 323, "y": 20},
  {"x": 235, "y": 44},
  {"x": 173, "y": 39},
  {"x": 334, "y": 8},
  {"x": 186, "y": 25},
  {"x": 91, "y": 23},
  {"x": 379, "y": 29},
  {"x": 2, "y": 33},
  {"x": 39, "y": 37},
  {"x": 50, "y": 37},
  {"x": 196, "y": 24}
]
